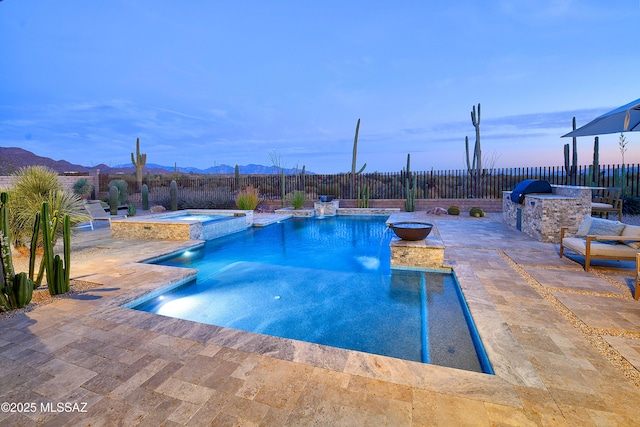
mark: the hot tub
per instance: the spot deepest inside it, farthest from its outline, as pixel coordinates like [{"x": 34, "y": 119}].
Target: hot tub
[{"x": 191, "y": 224}]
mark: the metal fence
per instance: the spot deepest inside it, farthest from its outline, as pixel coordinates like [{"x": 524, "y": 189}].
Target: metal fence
[{"x": 447, "y": 184}]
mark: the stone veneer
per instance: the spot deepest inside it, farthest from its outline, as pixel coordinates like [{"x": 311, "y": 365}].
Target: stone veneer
[
  {"x": 160, "y": 227},
  {"x": 295, "y": 212},
  {"x": 427, "y": 253},
  {"x": 542, "y": 215}
]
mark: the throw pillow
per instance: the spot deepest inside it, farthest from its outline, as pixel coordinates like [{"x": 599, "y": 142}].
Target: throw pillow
[
  {"x": 605, "y": 227},
  {"x": 632, "y": 231},
  {"x": 584, "y": 227}
]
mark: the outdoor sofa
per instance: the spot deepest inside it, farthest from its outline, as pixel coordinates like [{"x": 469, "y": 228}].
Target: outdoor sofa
[{"x": 598, "y": 238}]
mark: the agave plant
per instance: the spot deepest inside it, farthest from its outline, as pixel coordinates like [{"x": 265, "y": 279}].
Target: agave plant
[{"x": 32, "y": 186}]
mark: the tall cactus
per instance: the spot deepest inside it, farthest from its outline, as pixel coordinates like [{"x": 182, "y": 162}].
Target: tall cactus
[
  {"x": 594, "y": 168},
  {"x": 173, "y": 193},
  {"x": 236, "y": 173},
  {"x": 16, "y": 290},
  {"x": 113, "y": 200},
  {"x": 145, "y": 197},
  {"x": 474, "y": 163},
  {"x": 57, "y": 268},
  {"x": 411, "y": 191},
  {"x": 5, "y": 242},
  {"x": 571, "y": 169},
  {"x": 353, "y": 162},
  {"x": 139, "y": 161}
]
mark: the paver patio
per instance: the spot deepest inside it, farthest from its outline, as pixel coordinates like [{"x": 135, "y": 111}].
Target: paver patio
[{"x": 565, "y": 345}]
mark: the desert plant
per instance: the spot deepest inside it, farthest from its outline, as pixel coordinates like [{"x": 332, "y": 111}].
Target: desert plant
[
  {"x": 145, "y": 197},
  {"x": 113, "y": 200},
  {"x": 297, "y": 199},
  {"x": 123, "y": 191},
  {"x": 139, "y": 161},
  {"x": 476, "y": 212},
  {"x": 32, "y": 186},
  {"x": 58, "y": 269},
  {"x": 411, "y": 190},
  {"x": 131, "y": 210},
  {"x": 353, "y": 162},
  {"x": 173, "y": 193},
  {"x": 82, "y": 187},
  {"x": 248, "y": 198},
  {"x": 630, "y": 205},
  {"x": 453, "y": 210},
  {"x": 363, "y": 196}
]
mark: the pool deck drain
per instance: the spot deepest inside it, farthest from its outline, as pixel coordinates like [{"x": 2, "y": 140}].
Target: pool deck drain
[{"x": 132, "y": 367}]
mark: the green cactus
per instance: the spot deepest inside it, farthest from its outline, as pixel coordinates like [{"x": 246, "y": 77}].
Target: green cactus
[
  {"x": 363, "y": 196},
  {"x": 145, "y": 197},
  {"x": 139, "y": 161},
  {"x": 594, "y": 168},
  {"x": 411, "y": 190},
  {"x": 353, "y": 161},
  {"x": 5, "y": 242},
  {"x": 34, "y": 246},
  {"x": 453, "y": 210},
  {"x": 474, "y": 164},
  {"x": 113, "y": 200},
  {"x": 16, "y": 290},
  {"x": 58, "y": 271},
  {"x": 571, "y": 169},
  {"x": 173, "y": 192},
  {"x": 476, "y": 212},
  {"x": 236, "y": 172}
]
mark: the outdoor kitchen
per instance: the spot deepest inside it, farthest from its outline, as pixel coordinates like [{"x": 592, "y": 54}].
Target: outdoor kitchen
[{"x": 540, "y": 210}]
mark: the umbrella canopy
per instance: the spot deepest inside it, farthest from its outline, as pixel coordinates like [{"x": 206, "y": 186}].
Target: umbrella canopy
[{"x": 622, "y": 119}]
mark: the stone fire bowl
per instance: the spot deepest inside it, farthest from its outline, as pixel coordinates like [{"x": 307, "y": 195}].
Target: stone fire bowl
[{"x": 411, "y": 230}]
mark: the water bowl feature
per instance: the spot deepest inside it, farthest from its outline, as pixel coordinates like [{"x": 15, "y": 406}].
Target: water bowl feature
[{"x": 411, "y": 230}]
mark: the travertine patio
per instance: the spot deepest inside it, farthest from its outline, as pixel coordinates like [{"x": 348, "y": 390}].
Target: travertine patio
[{"x": 565, "y": 345}]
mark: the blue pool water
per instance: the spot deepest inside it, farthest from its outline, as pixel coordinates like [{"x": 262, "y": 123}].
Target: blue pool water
[{"x": 326, "y": 281}]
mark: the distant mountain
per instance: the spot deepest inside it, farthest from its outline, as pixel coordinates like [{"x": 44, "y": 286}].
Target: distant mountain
[{"x": 14, "y": 158}]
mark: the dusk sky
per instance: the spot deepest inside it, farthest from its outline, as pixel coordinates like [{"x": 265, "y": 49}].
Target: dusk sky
[{"x": 204, "y": 83}]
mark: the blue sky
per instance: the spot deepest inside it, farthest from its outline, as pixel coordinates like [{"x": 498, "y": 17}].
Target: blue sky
[{"x": 204, "y": 83}]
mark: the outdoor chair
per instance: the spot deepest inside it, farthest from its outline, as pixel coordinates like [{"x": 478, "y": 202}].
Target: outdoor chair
[
  {"x": 605, "y": 201},
  {"x": 96, "y": 212}
]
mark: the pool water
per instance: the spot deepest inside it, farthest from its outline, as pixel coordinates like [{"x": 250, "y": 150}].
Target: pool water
[
  {"x": 326, "y": 281},
  {"x": 194, "y": 217}
]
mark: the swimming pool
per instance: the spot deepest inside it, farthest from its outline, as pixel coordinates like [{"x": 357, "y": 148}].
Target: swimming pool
[{"x": 328, "y": 282}]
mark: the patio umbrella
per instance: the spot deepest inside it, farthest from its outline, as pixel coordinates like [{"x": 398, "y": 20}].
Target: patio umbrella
[{"x": 622, "y": 119}]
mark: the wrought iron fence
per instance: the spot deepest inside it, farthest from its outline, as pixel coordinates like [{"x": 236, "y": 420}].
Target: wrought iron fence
[{"x": 447, "y": 184}]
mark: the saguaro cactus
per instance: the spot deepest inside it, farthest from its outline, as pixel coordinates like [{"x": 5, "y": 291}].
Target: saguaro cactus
[
  {"x": 353, "y": 162},
  {"x": 139, "y": 161},
  {"x": 474, "y": 164}
]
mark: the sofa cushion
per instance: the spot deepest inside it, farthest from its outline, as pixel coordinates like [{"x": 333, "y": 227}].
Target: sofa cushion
[
  {"x": 579, "y": 246},
  {"x": 632, "y": 230},
  {"x": 605, "y": 227}
]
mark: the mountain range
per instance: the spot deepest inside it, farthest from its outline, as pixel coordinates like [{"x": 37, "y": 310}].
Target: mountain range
[{"x": 14, "y": 158}]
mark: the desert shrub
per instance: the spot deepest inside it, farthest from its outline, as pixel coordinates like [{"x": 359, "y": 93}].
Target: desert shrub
[
  {"x": 630, "y": 205},
  {"x": 297, "y": 199},
  {"x": 82, "y": 187},
  {"x": 248, "y": 198},
  {"x": 453, "y": 210},
  {"x": 32, "y": 186},
  {"x": 131, "y": 210},
  {"x": 123, "y": 191}
]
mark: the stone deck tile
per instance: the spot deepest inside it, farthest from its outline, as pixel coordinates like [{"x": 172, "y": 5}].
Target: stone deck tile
[{"x": 137, "y": 368}]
